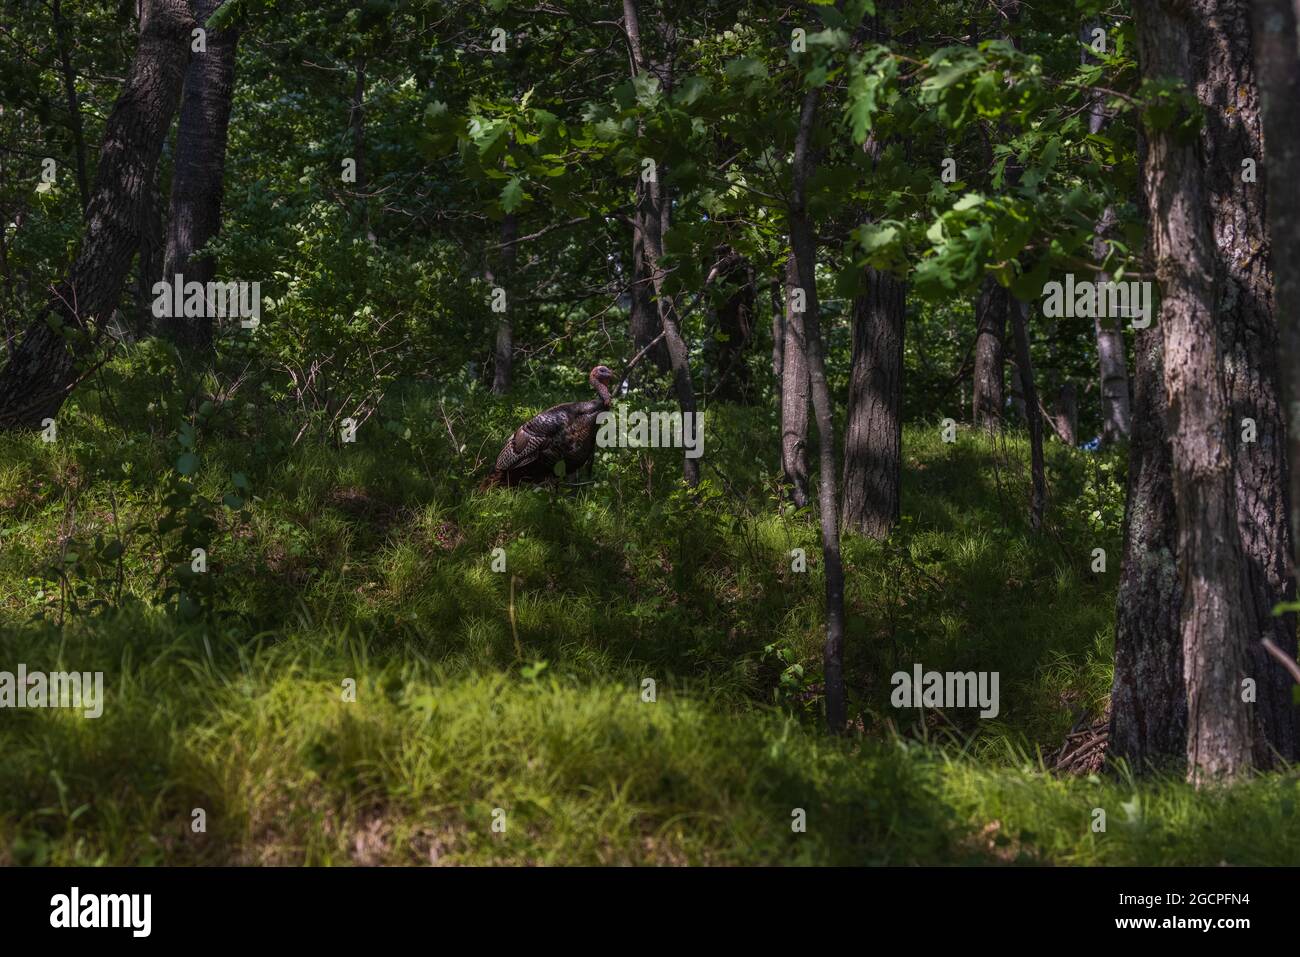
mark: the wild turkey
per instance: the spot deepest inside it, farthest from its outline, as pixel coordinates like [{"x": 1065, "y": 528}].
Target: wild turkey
[{"x": 562, "y": 433}]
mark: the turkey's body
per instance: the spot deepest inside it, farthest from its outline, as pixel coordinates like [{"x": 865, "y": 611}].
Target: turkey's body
[{"x": 563, "y": 433}]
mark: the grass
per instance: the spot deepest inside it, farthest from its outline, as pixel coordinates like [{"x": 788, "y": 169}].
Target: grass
[{"x": 372, "y": 563}]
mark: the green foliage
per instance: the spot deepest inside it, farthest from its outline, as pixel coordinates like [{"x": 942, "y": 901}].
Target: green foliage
[{"x": 330, "y": 554}]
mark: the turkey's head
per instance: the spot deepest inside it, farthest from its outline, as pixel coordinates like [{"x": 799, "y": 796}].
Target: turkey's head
[{"x": 603, "y": 380}]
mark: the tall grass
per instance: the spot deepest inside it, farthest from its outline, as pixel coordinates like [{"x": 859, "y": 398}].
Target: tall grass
[{"x": 372, "y": 563}]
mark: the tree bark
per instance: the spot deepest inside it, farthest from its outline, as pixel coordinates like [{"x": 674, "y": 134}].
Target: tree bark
[
  {"x": 654, "y": 208},
  {"x": 778, "y": 338},
  {"x": 736, "y": 324},
  {"x": 1116, "y": 411},
  {"x": 152, "y": 253},
  {"x": 1116, "y": 414},
  {"x": 988, "y": 396},
  {"x": 1244, "y": 313},
  {"x": 803, "y": 255},
  {"x": 198, "y": 174},
  {"x": 794, "y": 392},
  {"x": 1033, "y": 418},
  {"x": 1213, "y": 623},
  {"x": 644, "y": 315},
  {"x": 1067, "y": 414},
  {"x": 43, "y": 370},
  {"x": 873, "y": 439},
  {"x": 503, "y": 362},
  {"x": 1148, "y": 720},
  {"x": 1277, "y": 59}
]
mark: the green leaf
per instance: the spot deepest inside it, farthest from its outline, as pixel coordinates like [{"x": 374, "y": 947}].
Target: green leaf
[
  {"x": 512, "y": 195},
  {"x": 873, "y": 237},
  {"x": 187, "y": 464}
]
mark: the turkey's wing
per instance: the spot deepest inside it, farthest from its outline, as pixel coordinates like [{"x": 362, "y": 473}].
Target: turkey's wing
[{"x": 531, "y": 439}]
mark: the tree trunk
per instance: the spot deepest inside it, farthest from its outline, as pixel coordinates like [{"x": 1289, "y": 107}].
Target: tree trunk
[
  {"x": 1148, "y": 715},
  {"x": 1116, "y": 417},
  {"x": 736, "y": 324},
  {"x": 654, "y": 209},
  {"x": 1029, "y": 393},
  {"x": 988, "y": 396},
  {"x": 1277, "y": 59},
  {"x": 1213, "y": 621},
  {"x": 198, "y": 174},
  {"x": 1116, "y": 414},
  {"x": 803, "y": 255},
  {"x": 1067, "y": 414},
  {"x": 503, "y": 362},
  {"x": 778, "y": 338},
  {"x": 63, "y": 33},
  {"x": 357, "y": 127},
  {"x": 644, "y": 316},
  {"x": 1244, "y": 314},
  {"x": 43, "y": 370},
  {"x": 794, "y": 391},
  {"x": 149, "y": 265},
  {"x": 873, "y": 439}
]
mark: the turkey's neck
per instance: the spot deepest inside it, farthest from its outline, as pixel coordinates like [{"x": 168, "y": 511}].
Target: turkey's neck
[{"x": 602, "y": 390}]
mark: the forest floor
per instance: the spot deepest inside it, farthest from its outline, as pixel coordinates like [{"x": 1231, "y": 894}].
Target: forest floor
[{"x": 370, "y": 563}]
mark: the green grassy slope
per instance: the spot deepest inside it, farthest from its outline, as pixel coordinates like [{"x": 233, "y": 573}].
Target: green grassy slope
[{"x": 371, "y": 562}]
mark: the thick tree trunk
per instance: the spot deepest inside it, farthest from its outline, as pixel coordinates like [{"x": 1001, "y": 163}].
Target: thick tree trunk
[
  {"x": 1148, "y": 719},
  {"x": 198, "y": 173},
  {"x": 991, "y": 328},
  {"x": 41, "y": 373},
  {"x": 1029, "y": 393},
  {"x": 1243, "y": 310},
  {"x": 1277, "y": 59},
  {"x": 503, "y": 361},
  {"x": 1214, "y": 626},
  {"x": 794, "y": 390},
  {"x": 873, "y": 439}
]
